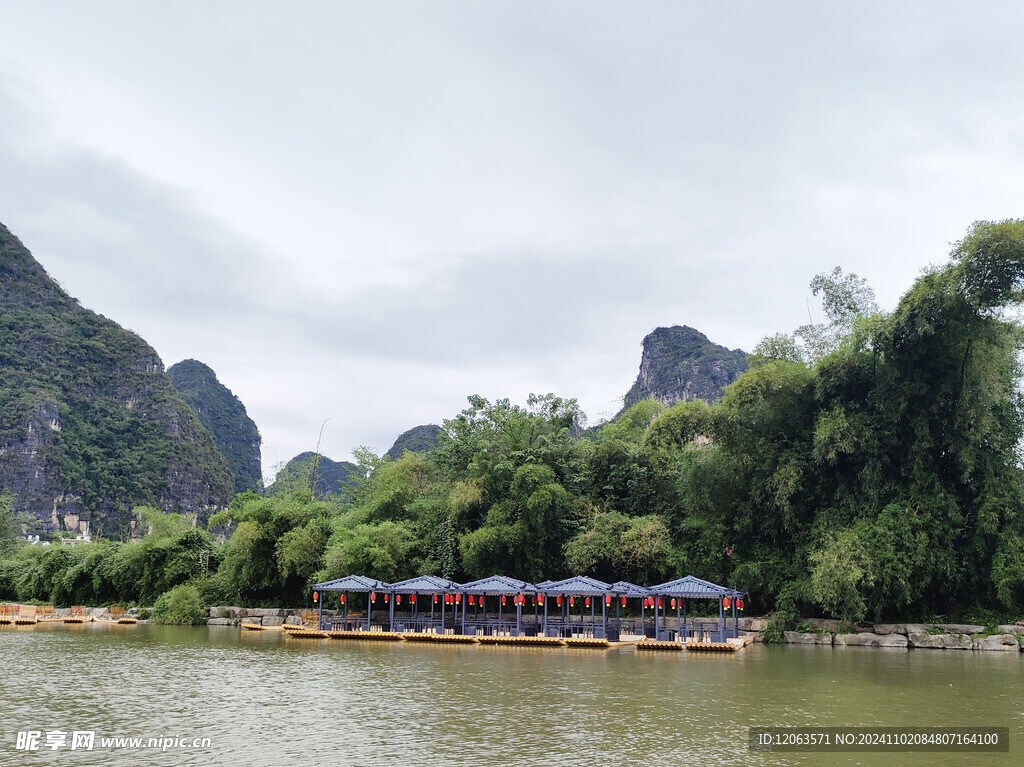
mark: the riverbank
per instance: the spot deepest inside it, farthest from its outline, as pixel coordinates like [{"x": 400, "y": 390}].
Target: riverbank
[{"x": 917, "y": 636}]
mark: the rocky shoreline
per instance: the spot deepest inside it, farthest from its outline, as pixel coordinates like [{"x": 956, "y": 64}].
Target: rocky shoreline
[
  {"x": 917, "y": 636},
  {"x": 261, "y": 616}
]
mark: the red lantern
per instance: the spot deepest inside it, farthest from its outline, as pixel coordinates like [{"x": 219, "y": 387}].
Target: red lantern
[
  {"x": 458, "y": 599},
  {"x": 343, "y": 599},
  {"x": 607, "y": 600},
  {"x": 660, "y": 602},
  {"x": 673, "y": 604},
  {"x": 373, "y": 597},
  {"x": 586, "y": 602},
  {"x": 387, "y": 597},
  {"x": 726, "y": 602},
  {"x": 435, "y": 598},
  {"x": 540, "y": 599},
  {"x": 316, "y": 596},
  {"x": 503, "y": 599},
  {"x": 623, "y": 601},
  {"x": 558, "y": 600},
  {"x": 572, "y": 601},
  {"x": 739, "y": 604},
  {"x": 398, "y": 599},
  {"x": 412, "y": 597},
  {"x": 522, "y": 599}
]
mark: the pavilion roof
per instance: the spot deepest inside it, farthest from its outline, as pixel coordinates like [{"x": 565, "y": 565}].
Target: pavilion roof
[
  {"x": 351, "y": 583},
  {"x": 498, "y": 584},
  {"x": 631, "y": 589},
  {"x": 694, "y": 588},
  {"x": 579, "y": 584},
  {"x": 423, "y": 584}
]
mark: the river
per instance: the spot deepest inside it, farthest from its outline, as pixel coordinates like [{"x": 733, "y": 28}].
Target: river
[{"x": 263, "y": 698}]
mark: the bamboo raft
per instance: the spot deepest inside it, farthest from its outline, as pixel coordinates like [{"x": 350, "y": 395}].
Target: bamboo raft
[
  {"x": 253, "y": 627},
  {"x": 305, "y": 632},
  {"x": 597, "y": 644},
  {"x": 653, "y": 644},
  {"x": 522, "y": 640},
  {"x": 694, "y": 646},
  {"x": 413, "y": 636},
  {"x": 387, "y": 636}
]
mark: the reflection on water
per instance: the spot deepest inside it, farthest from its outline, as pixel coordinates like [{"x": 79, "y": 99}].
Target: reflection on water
[{"x": 264, "y": 698}]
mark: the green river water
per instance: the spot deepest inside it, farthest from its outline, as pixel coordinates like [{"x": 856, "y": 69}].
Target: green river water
[{"x": 263, "y": 698}]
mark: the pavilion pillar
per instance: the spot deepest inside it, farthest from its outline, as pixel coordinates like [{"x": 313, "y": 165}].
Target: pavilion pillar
[
  {"x": 735, "y": 626},
  {"x": 369, "y": 610},
  {"x": 519, "y": 618},
  {"x": 320, "y": 613},
  {"x": 679, "y": 625},
  {"x": 721, "y": 617},
  {"x": 604, "y": 617},
  {"x": 545, "y": 615},
  {"x": 391, "y": 613}
]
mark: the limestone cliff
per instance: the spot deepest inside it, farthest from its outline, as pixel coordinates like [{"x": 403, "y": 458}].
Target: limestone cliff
[
  {"x": 680, "y": 363},
  {"x": 224, "y": 416},
  {"x": 90, "y": 425}
]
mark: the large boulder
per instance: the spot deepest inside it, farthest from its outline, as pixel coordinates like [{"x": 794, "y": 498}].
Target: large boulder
[
  {"x": 960, "y": 628},
  {"x": 265, "y": 612},
  {"x": 236, "y": 612},
  {"x": 273, "y": 620},
  {"x": 869, "y": 639},
  {"x": 941, "y": 641},
  {"x": 889, "y": 628},
  {"x": 998, "y": 642},
  {"x": 220, "y": 622},
  {"x": 795, "y": 637}
]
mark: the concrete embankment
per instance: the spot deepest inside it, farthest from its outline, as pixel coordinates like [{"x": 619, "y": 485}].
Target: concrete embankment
[{"x": 917, "y": 636}]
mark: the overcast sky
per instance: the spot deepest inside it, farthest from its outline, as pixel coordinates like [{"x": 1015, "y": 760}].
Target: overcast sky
[{"x": 366, "y": 211}]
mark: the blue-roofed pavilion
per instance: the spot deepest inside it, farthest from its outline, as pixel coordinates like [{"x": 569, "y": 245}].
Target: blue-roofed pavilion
[
  {"x": 431, "y": 586},
  {"x": 500, "y": 586},
  {"x": 591, "y": 590},
  {"x": 350, "y": 583},
  {"x": 692, "y": 587}
]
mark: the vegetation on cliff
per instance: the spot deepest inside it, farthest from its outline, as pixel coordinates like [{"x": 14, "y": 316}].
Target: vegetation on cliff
[
  {"x": 681, "y": 363},
  {"x": 224, "y": 416},
  {"x": 418, "y": 439}
]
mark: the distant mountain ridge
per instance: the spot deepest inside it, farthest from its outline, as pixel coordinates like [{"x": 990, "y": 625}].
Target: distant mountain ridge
[
  {"x": 297, "y": 474},
  {"x": 90, "y": 426},
  {"x": 224, "y": 415},
  {"x": 681, "y": 363}
]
